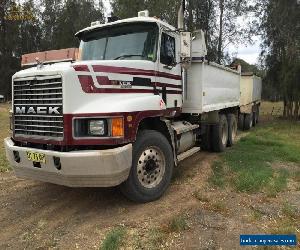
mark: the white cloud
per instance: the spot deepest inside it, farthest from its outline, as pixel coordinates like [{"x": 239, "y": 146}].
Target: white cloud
[
  {"x": 247, "y": 52},
  {"x": 107, "y": 7}
]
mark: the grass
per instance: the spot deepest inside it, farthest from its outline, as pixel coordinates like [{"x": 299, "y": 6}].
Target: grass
[
  {"x": 290, "y": 210},
  {"x": 4, "y": 132},
  {"x": 267, "y": 107},
  {"x": 219, "y": 207},
  {"x": 155, "y": 239},
  {"x": 284, "y": 227},
  {"x": 178, "y": 224},
  {"x": 113, "y": 239},
  {"x": 248, "y": 165},
  {"x": 200, "y": 196}
]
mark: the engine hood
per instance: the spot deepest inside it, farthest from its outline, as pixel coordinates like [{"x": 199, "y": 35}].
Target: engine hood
[
  {"x": 48, "y": 69},
  {"x": 110, "y": 86}
]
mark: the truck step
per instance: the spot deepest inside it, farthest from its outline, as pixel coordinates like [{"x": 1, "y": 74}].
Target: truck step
[{"x": 188, "y": 153}]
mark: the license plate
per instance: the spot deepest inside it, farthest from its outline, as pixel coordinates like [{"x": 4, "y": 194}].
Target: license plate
[{"x": 36, "y": 157}]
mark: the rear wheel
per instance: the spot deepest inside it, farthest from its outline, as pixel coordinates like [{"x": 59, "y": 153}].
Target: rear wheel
[
  {"x": 152, "y": 167},
  {"x": 248, "y": 121},
  {"x": 232, "y": 129},
  {"x": 257, "y": 114},
  {"x": 206, "y": 140},
  {"x": 254, "y": 119},
  {"x": 220, "y": 135},
  {"x": 241, "y": 122}
]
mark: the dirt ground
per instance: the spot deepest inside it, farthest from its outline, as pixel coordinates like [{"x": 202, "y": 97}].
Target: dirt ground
[{"x": 35, "y": 215}]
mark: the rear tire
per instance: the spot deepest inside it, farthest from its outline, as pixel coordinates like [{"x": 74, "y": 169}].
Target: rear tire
[
  {"x": 257, "y": 115},
  {"x": 152, "y": 167},
  {"x": 254, "y": 119},
  {"x": 232, "y": 129},
  {"x": 220, "y": 135},
  {"x": 248, "y": 121},
  {"x": 241, "y": 123},
  {"x": 206, "y": 139}
]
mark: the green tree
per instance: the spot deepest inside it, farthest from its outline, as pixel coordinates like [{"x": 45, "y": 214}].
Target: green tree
[
  {"x": 9, "y": 58},
  {"x": 280, "y": 31},
  {"x": 76, "y": 15},
  {"x": 51, "y": 11},
  {"x": 230, "y": 28}
]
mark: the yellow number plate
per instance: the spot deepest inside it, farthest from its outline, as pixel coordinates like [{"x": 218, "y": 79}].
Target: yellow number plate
[{"x": 36, "y": 157}]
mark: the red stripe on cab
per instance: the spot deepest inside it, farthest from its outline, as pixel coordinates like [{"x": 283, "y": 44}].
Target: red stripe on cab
[
  {"x": 103, "y": 80},
  {"x": 84, "y": 68},
  {"x": 134, "y": 71},
  {"x": 87, "y": 83}
]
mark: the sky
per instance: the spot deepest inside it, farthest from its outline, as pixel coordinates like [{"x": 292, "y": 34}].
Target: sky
[{"x": 249, "y": 53}]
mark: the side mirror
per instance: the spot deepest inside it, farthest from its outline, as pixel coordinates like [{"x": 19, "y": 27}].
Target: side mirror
[{"x": 185, "y": 45}]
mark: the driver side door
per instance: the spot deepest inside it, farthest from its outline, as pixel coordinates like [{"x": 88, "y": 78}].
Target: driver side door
[{"x": 169, "y": 70}]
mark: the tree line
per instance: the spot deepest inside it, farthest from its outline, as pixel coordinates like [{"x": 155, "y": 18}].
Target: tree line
[
  {"x": 280, "y": 29},
  {"x": 32, "y": 26}
]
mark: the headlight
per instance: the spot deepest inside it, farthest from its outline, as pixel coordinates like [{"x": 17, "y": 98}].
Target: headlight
[
  {"x": 84, "y": 127},
  {"x": 96, "y": 127}
]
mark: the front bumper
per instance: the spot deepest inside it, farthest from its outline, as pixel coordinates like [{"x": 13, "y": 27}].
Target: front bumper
[{"x": 85, "y": 168}]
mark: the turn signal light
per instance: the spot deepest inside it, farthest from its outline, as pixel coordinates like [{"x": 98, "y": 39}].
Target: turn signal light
[{"x": 117, "y": 127}]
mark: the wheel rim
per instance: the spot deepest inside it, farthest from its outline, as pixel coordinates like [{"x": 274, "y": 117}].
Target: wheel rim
[
  {"x": 224, "y": 135},
  {"x": 151, "y": 167}
]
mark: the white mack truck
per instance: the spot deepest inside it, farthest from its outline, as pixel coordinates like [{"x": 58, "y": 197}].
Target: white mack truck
[{"x": 140, "y": 98}]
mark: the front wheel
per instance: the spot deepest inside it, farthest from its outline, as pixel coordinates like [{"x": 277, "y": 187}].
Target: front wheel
[{"x": 152, "y": 167}]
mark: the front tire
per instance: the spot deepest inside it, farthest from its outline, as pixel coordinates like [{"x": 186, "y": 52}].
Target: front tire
[{"x": 152, "y": 167}]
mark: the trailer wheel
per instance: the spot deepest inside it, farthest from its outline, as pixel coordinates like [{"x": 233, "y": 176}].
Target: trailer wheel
[
  {"x": 241, "y": 122},
  {"x": 257, "y": 115},
  {"x": 254, "y": 119},
  {"x": 232, "y": 129},
  {"x": 152, "y": 167},
  {"x": 248, "y": 121},
  {"x": 220, "y": 135}
]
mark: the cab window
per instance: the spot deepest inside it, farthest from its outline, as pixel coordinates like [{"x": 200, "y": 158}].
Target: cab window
[{"x": 167, "y": 49}]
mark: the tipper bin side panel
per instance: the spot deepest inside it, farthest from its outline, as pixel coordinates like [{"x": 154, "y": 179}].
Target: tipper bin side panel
[
  {"x": 221, "y": 88},
  {"x": 193, "y": 96},
  {"x": 211, "y": 87},
  {"x": 246, "y": 90},
  {"x": 257, "y": 88}
]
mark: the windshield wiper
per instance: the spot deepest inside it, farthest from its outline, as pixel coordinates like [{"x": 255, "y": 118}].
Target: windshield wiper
[{"x": 125, "y": 56}]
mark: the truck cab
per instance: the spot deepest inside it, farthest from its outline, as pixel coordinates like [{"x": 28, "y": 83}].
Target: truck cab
[{"x": 136, "y": 101}]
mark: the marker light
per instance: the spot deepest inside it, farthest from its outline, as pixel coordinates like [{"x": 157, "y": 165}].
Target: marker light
[{"x": 117, "y": 127}]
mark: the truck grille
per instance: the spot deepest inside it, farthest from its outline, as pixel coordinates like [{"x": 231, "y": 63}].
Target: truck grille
[{"x": 36, "y": 102}]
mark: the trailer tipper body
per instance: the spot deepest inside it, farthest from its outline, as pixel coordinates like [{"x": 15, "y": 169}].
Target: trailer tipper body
[
  {"x": 251, "y": 88},
  {"x": 140, "y": 98}
]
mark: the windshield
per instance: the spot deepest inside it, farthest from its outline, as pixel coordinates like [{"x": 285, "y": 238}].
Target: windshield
[{"x": 126, "y": 42}]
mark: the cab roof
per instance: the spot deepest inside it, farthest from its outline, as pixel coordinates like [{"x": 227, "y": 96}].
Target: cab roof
[{"x": 128, "y": 20}]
